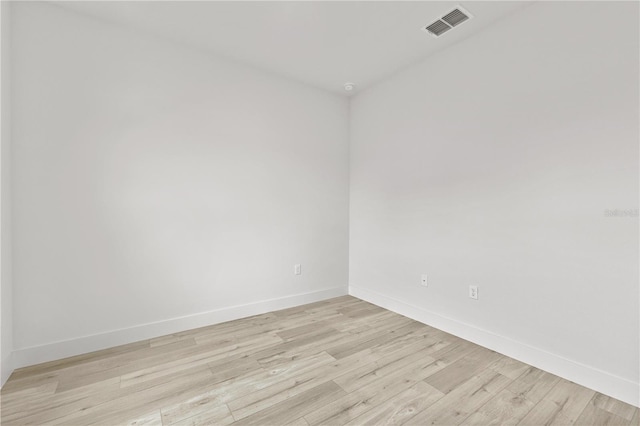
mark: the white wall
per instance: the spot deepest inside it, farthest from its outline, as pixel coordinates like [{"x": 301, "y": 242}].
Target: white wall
[
  {"x": 154, "y": 182},
  {"x": 6, "y": 316},
  {"x": 492, "y": 164}
]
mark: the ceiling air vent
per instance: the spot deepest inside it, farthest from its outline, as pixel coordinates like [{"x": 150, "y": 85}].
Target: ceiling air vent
[
  {"x": 454, "y": 18},
  {"x": 438, "y": 28}
]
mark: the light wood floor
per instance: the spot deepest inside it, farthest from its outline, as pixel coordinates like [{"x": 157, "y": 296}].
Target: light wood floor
[{"x": 341, "y": 361}]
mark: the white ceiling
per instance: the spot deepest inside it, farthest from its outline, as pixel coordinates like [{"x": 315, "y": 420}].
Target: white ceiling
[{"x": 321, "y": 43}]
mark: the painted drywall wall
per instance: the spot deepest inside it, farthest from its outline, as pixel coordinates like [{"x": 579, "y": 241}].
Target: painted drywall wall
[
  {"x": 494, "y": 163},
  {"x": 154, "y": 182},
  {"x": 6, "y": 305}
]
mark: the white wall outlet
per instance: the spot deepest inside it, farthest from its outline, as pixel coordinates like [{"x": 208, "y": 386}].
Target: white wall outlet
[
  {"x": 424, "y": 280},
  {"x": 297, "y": 269},
  {"x": 473, "y": 292}
]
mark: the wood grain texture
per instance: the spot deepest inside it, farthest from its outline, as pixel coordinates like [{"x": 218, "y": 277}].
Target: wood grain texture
[{"x": 334, "y": 362}]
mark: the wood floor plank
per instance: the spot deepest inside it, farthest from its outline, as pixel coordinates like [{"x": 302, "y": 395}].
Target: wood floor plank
[
  {"x": 38, "y": 391},
  {"x": 372, "y": 340},
  {"x": 375, "y": 336},
  {"x": 333, "y": 362},
  {"x": 361, "y": 324},
  {"x": 303, "y": 330},
  {"x": 39, "y": 409},
  {"x": 204, "y": 394},
  {"x": 293, "y": 408},
  {"x": 298, "y": 422},
  {"x": 460, "y": 403},
  {"x": 69, "y": 406},
  {"x": 253, "y": 402},
  {"x": 561, "y": 406},
  {"x": 506, "y": 408},
  {"x": 509, "y": 367},
  {"x": 360, "y": 313},
  {"x": 276, "y": 324},
  {"x": 401, "y": 407},
  {"x": 27, "y": 382},
  {"x": 462, "y": 370},
  {"x": 151, "y": 419},
  {"x": 594, "y": 415},
  {"x": 287, "y": 351},
  {"x": 198, "y": 413},
  {"x": 373, "y": 395},
  {"x": 105, "y": 369},
  {"x": 222, "y": 393},
  {"x": 614, "y": 406},
  {"x": 533, "y": 384},
  {"x": 372, "y": 372},
  {"x": 457, "y": 349},
  {"x": 225, "y": 369},
  {"x": 357, "y": 309},
  {"x": 199, "y": 358}
]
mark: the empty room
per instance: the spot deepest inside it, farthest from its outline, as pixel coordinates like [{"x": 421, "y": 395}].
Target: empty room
[{"x": 320, "y": 213}]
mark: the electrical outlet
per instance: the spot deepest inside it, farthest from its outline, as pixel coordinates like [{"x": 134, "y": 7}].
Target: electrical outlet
[
  {"x": 473, "y": 292},
  {"x": 297, "y": 269},
  {"x": 424, "y": 280}
]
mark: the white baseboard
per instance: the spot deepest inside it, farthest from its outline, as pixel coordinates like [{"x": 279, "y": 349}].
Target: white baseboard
[
  {"x": 81, "y": 345},
  {"x": 593, "y": 378}
]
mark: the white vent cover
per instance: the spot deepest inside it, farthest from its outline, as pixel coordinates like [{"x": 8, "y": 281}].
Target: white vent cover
[{"x": 446, "y": 22}]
